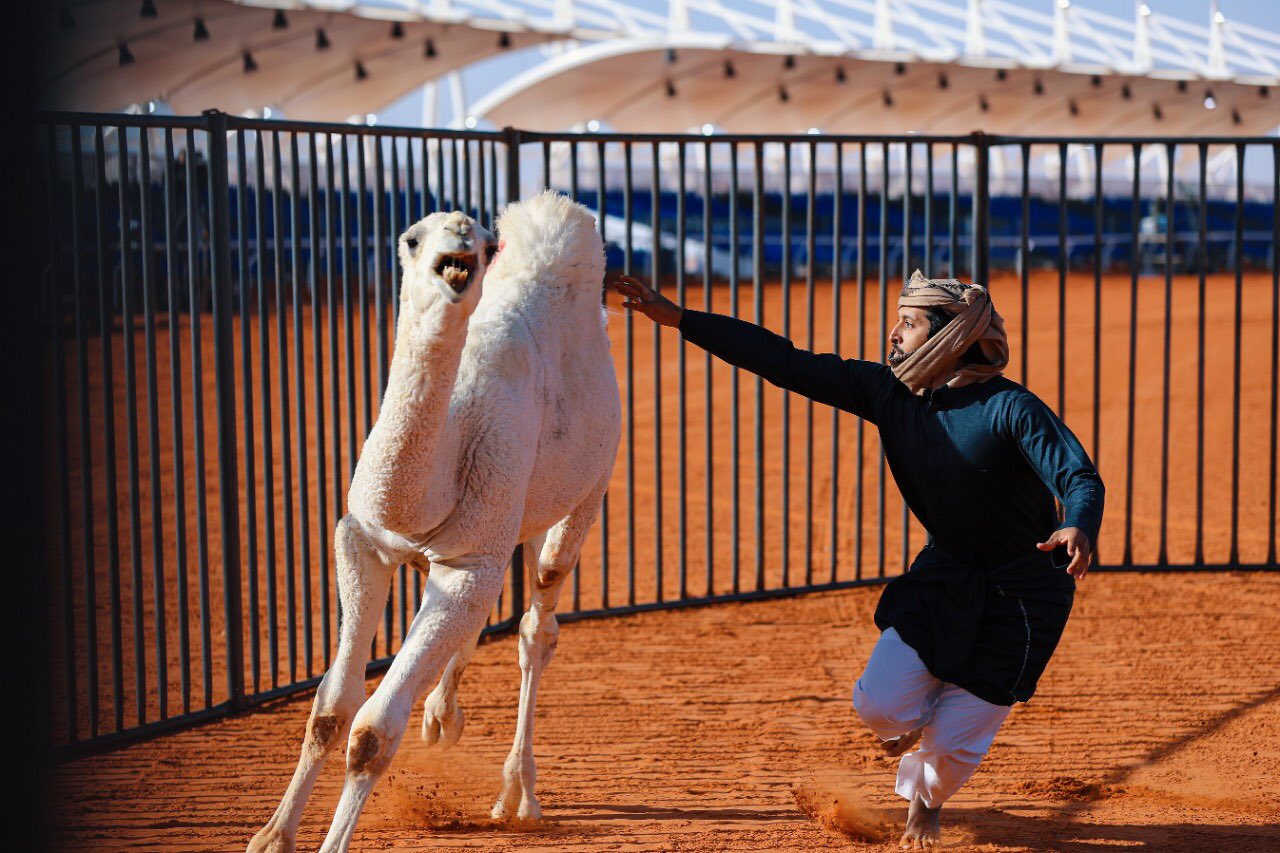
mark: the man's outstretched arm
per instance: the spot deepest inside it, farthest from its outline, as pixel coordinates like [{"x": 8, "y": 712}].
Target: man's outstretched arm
[{"x": 847, "y": 384}]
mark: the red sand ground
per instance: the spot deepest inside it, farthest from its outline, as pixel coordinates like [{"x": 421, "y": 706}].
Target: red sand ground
[{"x": 1155, "y": 728}]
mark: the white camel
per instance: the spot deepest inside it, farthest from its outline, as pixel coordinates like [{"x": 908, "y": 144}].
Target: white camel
[{"x": 499, "y": 426}]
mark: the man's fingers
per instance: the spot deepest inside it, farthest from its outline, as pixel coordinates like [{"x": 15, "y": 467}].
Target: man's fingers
[
  {"x": 1079, "y": 563},
  {"x": 1054, "y": 540}
]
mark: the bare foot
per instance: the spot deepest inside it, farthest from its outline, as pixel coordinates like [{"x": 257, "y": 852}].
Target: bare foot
[
  {"x": 924, "y": 828},
  {"x": 901, "y": 744}
]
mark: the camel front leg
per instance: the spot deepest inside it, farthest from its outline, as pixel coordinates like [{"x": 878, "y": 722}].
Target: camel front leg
[
  {"x": 442, "y": 717},
  {"x": 539, "y": 632},
  {"x": 363, "y": 582},
  {"x": 457, "y": 601}
]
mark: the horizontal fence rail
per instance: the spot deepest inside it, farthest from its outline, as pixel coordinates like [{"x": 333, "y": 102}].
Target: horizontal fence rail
[{"x": 221, "y": 302}]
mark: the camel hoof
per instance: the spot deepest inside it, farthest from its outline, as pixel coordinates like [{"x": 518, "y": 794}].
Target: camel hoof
[
  {"x": 441, "y": 726},
  {"x": 529, "y": 809},
  {"x": 270, "y": 840},
  {"x": 500, "y": 810}
]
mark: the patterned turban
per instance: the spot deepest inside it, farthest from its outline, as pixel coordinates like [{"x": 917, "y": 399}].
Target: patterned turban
[{"x": 974, "y": 320}]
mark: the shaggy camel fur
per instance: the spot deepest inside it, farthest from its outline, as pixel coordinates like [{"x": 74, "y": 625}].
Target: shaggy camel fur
[{"x": 499, "y": 426}]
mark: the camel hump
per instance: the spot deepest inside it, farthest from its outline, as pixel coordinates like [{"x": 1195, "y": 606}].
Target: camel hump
[{"x": 554, "y": 238}]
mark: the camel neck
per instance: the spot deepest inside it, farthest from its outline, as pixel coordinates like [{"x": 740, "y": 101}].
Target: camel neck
[{"x": 424, "y": 367}]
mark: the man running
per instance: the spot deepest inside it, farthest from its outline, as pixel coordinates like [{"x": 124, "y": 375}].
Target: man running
[{"x": 979, "y": 459}]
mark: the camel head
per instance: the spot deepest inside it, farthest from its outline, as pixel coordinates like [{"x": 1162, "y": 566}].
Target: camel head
[{"x": 444, "y": 257}]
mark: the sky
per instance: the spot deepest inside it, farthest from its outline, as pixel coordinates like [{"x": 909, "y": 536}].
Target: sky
[{"x": 485, "y": 76}]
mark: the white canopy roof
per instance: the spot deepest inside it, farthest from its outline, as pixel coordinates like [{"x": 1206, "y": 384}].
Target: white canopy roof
[{"x": 867, "y": 66}]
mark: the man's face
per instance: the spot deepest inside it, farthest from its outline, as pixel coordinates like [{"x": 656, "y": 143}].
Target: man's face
[{"x": 908, "y": 335}]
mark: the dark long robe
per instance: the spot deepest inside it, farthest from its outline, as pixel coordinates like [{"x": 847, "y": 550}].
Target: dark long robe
[{"x": 980, "y": 466}]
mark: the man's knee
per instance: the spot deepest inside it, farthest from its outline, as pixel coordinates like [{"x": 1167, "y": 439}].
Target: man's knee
[{"x": 882, "y": 711}]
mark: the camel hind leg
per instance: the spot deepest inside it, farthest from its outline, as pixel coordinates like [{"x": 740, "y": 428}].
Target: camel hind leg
[
  {"x": 363, "y": 583},
  {"x": 539, "y": 632},
  {"x": 442, "y": 716}
]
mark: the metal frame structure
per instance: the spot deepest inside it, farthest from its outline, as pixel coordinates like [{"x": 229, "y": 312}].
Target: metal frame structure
[
  {"x": 237, "y": 276},
  {"x": 322, "y": 60}
]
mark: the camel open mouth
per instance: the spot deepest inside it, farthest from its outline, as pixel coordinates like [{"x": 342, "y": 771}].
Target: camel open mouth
[{"x": 456, "y": 271}]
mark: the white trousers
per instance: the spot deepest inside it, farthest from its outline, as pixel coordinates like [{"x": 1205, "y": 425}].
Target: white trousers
[{"x": 896, "y": 694}]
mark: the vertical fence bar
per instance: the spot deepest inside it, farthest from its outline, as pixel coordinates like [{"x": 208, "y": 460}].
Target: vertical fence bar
[
  {"x": 982, "y": 210},
  {"x": 331, "y": 311},
  {"x": 513, "y": 141},
  {"x": 317, "y": 376},
  {"x": 300, "y": 397},
  {"x": 573, "y": 194},
  {"x": 682, "y": 471},
  {"x": 757, "y": 290},
  {"x": 125, "y": 190},
  {"x": 928, "y": 209},
  {"x": 348, "y": 315},
  {"x": 627, "y": 199},
  {"x": 1202, "y": 256},
  {"x": 63, "y": 466},
  {"x": 225, "y": 399},
  {"x": 735, "y": 244},
  {"x": 286, "y": 448},
  {"x": 246, "y": 388},
  {"x": 362, "y": 265},
  {"x": 1237, "y": 311},
  {"x": 468, "y": 198},
  {"x": 268, "y": 450},
  {"x": 1097, "y": 311},
  {"x": 784, "y": 541},
  {"x": 602, "y": 213},
  {"x": 1062, "y": 279},
  {"x": 1024, "y": 265},
  {"x": 396, "y": 227},
  {"x": 172, "y": 242},
  {"x": 482, "y": 210},
  {"x": 811, "y": 245},
  {"x": 454, "y": 197},
  {"x": 884, "y": 314},
  {"x": 1275, "y": 352},
  {"x": 380, "y": 322},
  {"x": 86, "y": 434},
  {"x": 655, "y": 275},
  {"x": 837, "y": 231},
  {"x": 106, "y": 320},
  {"x": 147, "y": 224},
  {"x": 708, "y": 211},
  {"x": 1134, "y": 260},
  {"x": 1170, "y": 220},
  {"x": 860, "y": 473},
  {"x": 953, "y": 247},
  {"x": 906, "y": 273}
]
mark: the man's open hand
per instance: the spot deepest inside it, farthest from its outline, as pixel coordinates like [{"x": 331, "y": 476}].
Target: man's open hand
[
  {"x": 1078, "y": 548},
  {"x": 649, "y": 302}
]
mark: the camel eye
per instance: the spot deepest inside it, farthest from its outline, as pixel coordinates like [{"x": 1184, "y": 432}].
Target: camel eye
[
  {"x": 489, "y": 252},
  {"x": 411, "y": 242}
]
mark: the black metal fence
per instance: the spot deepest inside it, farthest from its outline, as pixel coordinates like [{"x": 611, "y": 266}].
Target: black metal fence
[{"x": 222, "y": 295}]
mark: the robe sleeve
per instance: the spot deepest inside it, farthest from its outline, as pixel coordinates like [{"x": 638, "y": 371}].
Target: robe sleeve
[
  {"x": 854, "y": 386},
  {"x": 1061, "y": 463}
]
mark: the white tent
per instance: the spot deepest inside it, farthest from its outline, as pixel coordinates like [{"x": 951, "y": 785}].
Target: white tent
[{"x": 865, "y": 66}]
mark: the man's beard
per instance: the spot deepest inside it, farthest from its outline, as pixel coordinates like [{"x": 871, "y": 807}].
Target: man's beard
[{"x": 896, "y": 355}]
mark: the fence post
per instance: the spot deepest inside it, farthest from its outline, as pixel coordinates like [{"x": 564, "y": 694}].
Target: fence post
[
  {"x": 511, "y": 138},
  {"x": 223, "y": 353},
  {"x": 982, "y": 211}
]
